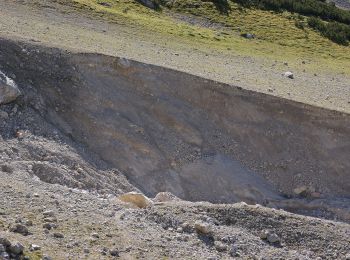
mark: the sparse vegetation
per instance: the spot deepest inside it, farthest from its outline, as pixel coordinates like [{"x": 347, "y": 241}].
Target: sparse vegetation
[
  {"x": 338, "y": 28},
  {"x": 337, "y": 32}
]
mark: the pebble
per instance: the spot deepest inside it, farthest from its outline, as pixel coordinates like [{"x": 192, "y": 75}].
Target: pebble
[
  {"x": 34, "y": 247},
  {"x": 58, "y": 235},
  {"x": 114, "y": 252},
  {"x": 221, "y": 247},
  {"x": 49, "y": 213},
  {"x": 273, "y": 238}
]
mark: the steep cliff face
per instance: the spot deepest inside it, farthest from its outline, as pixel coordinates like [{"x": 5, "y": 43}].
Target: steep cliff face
[{"x": 171, "y": 131}]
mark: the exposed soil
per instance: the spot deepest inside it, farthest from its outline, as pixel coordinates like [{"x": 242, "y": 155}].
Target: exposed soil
[{"x": 90, "y": 127}]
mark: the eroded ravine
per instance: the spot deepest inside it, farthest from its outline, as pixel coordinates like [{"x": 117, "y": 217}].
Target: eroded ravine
[{"x": 171, "y": 131}]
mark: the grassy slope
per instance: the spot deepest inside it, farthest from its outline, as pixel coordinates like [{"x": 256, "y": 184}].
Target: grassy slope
[{"x": 278, "y": 37}]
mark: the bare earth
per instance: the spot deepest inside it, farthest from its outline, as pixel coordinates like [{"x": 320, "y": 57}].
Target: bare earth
[
  {"x": 52, "y": 27},
  {"x": 87, "y": 126}
]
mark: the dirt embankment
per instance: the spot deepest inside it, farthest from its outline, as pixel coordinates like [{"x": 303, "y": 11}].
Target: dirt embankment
[{"x": 167, "y": 130}]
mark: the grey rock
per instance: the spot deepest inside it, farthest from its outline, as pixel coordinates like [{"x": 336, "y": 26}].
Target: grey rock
[
  {"x": 272, "y": 238},
  {"x": 17, "y": 248},
  {"x": 4, "y": 115},
  {"x": 95, "y": 235},
  {"x": 20, "y": 228},
  {"x": 48, "y": 213},
  {"x": 4, "y": 256},
  {"x": 8, "y": 89},
  {"x": 248, "y": 35},
  {"x": 114, "y": 252},
  {"x": 2, "y": 248},
  {"x": 58, "y": 235},
  {"x": 148, "y": 3},
  {"x": 221, "y": 247},
  {"x": 289, "y": 74},
  {"x": 4, "y": 241}
]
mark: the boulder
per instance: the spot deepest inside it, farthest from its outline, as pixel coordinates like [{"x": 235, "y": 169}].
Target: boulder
[
  {"x": 8, "y": 89},
  {"x": 137, "y": 199}
]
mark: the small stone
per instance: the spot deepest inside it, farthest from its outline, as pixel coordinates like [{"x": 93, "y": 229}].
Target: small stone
[
  {"x": 4, "y": 241},
  {"x": 86, "y": 250},
  {"x": 4, "y": 256},
  {"x": 48, "y": 226},
  {"x": 2, "y": 248},
  {"x": 179, "y": 230},
  {"x": 202, "y": 227},
  {"x": 4, "y": 115},
  {"x": 289, "y": 74},
  {"x": 19, "y": 228},
  {"x": 49, "y": 213},
  {"x": 301, "y": 191},
  {"x": 221, "y": 247},
  {"x": 114, "y": 252},
  {"x": 58, "y": 235},
  {"x": 34, "y": 247},
  {"x": 46, "y": 257},
  {"x": 17, "y": 248},
  {"x": 95, "y": 235},
  {"x": 263, "y": 234},
  {"x": 50, "y": 219},
  {"x": 273, "y": 238},
  {"x": 36, "y": 195},
  {"x": 234, "y": 252}
]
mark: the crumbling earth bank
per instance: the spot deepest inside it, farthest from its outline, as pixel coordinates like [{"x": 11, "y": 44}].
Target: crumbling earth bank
[{"x": 88, "y": 128}]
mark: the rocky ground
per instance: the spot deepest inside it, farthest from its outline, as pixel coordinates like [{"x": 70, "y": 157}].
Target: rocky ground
[
  {"x": 59, "y": 200},
  {"x": 55, "y": 222},
  {"x": 42, "y": 218}
]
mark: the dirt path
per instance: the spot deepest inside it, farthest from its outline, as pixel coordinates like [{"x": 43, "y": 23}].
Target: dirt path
[{"x": 54, "y": 25}]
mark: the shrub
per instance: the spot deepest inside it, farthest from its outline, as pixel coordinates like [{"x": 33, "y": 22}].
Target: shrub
[{"x": 337, "y": 32}]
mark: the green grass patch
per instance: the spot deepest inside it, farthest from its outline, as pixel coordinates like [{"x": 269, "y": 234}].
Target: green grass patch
[{"x": 279, "y": 36}]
